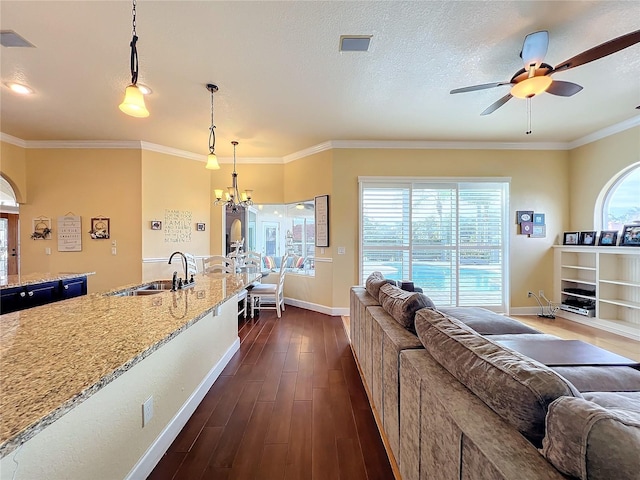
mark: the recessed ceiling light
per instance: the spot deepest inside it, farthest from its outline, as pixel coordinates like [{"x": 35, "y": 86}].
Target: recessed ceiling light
[
  {"x": 355, "y": 43},
  {"x": 144, "y": 89},
  {"x": 19, "y": 88}
]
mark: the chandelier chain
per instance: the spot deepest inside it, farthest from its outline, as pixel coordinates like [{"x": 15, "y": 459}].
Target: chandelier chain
[
  {"x": 133, "y": 13},
  {"x": 212, "y": 134},
  {"x": 134, "y": 49}
]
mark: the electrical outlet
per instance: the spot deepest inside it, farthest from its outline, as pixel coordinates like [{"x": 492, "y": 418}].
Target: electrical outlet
[
  {"x": 529, "y": 294},
  {"x": 541, "y": 293},
  {"x": 147, "y": 410}
]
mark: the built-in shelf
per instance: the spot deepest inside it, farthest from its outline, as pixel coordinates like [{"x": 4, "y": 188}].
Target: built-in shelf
[{"x": 612, "y": 274}]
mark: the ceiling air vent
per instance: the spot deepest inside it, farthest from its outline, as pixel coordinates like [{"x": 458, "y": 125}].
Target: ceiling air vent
[
  {"x": 9, "y": 38},
  {"x": 354, "y": 43}
]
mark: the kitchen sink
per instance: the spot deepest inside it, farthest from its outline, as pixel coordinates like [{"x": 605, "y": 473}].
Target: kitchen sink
[
  {"x": 150, "y": 288},
  {"x": 156, "y": 286}
]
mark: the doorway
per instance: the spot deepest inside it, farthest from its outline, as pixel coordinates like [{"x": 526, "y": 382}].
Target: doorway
[{"x": 9, "y": 244}]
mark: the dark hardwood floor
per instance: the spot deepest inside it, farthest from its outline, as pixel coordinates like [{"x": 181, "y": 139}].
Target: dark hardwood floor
[{"x": 289, "y": 405}]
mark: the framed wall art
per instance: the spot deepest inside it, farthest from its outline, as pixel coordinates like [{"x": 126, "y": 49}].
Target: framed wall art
[
  {"x": 200, "y": 227},
  {"x": 156, "y": 225},
  {"x": 99, "y": 228},
  {"x": 322, "y": 220},
  {"x": 41, "y": 228}
]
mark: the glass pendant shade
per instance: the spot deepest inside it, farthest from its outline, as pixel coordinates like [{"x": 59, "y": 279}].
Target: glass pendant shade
[
  {"x": 531, "y": 86},
  {"x": 218, "y": 194},
  {"x": 133, "y": 103},
  {"x": 212, "y": 162}
]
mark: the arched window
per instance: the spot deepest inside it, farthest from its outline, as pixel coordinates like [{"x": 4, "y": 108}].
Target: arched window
[
  {"x": 7, "y": 195},
  {"x": 621, "y": 203}
]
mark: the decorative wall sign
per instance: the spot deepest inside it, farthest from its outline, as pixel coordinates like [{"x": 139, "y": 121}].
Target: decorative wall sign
[
  {"x": 41, "y": 228},
  {"x": 538, "y": 231},
  {"x": 70, "y": 233},
  {"x": 177, "y": 226},
  {"x": 156, "y": 225},
  {"x": 99, "y": 228},
  {"x": 526, "y": 228},
  {"x": 322, "y": 220},
  {"x": 538, "y": 219},
  {"x": 524, "y": 216}
]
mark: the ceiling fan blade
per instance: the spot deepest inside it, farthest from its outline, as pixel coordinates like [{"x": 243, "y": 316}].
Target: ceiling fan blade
[
  {"x": 534, "y": 48},
  {"x": 496, "y": 105},
  {"x": 484, "y": 86},
  {"x": 563, "y": 89},
  {"x": 602, "y": 50}
]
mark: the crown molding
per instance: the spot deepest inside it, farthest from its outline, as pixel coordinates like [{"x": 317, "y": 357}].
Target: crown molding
[
  {"x": 606, "y": 132},
  {"x": 321, "y": 147},
  {"x": 437, "y": 145},
  {"x": 18, "y": 142},
  {"x": 329, "y": 145},
  {"x": 88, "y": 144}
]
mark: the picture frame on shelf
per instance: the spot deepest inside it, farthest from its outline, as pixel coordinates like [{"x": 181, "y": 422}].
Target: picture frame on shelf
[
  {"x": 608, "y": 238},
  {"x": 630, "y": 236},
  {"x": 571, "y": 238},
  {"x": 587, "y": 238},
  {"x": 156, "y": 225}
]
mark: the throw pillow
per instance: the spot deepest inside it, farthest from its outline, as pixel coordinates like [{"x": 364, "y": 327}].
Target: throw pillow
[
  {"x": 374, "y": 282},
  {"x": 269, "y": 263},
  {"x": 403, "y": 305}
]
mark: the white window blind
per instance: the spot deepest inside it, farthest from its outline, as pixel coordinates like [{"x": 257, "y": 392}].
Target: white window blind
[{"x": 448, "y": 237}]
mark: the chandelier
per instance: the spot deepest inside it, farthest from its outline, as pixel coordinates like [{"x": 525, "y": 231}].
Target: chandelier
[{"x": 233, "y": 198}]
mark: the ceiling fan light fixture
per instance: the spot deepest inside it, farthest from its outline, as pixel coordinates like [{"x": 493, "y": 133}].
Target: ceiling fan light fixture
[
  {"x": 133, "y": 103},
  {"x": 531, "y": 86}
]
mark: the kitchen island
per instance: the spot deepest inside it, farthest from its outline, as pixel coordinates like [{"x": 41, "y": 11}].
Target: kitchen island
[{"x": 74, "y": 376}]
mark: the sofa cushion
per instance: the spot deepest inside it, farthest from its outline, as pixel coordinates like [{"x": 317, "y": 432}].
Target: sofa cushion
[
  {"x": 403, "y": 305},
  {"x": 588, "y": 441},
  {"x": 624, "y": 400},
  {"x": 374, "y": 282},
  {"x": 602, "y": 379},
  {"x": 486, "y": 322},
  {"x": 516, "y": 387}
]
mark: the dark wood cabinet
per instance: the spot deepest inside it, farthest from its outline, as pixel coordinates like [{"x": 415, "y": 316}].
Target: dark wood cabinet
[{"x": 20, "y": 298}]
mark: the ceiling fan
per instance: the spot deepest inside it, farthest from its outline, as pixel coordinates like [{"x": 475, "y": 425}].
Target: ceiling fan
[{"x": 535, "y": 77}]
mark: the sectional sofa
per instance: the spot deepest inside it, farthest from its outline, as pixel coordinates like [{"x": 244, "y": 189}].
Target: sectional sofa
[{"x": 453, "y": 403}]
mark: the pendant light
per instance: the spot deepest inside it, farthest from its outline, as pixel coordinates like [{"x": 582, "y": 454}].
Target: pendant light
[
  {"x": 133, "y": 103},
  {"x": 234, "y": 199},
  {"x": 212, "y": 160}
]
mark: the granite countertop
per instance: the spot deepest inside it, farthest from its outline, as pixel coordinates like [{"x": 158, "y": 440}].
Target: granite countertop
[
  {"x": 54, "y": 356},
  {"x": 33, "y": 278}
]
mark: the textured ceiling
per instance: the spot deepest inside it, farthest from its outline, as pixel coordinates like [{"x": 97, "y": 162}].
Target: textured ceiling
[{"x": 284, "y": 85}]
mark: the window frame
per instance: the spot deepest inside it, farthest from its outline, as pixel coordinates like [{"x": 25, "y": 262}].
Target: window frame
[
  {"x": 602, "y": 202},
  {"x": 415, "y": 183}
]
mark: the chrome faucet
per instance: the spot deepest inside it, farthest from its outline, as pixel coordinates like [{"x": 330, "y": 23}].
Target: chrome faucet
[{"x": 184, "y": 262}]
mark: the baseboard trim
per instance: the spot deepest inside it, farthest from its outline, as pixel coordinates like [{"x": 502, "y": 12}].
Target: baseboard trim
[
  {"x": 333, "y": 311},
  {"x": 524, "y": 311},
  {"x": 154, "y": 453}
]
